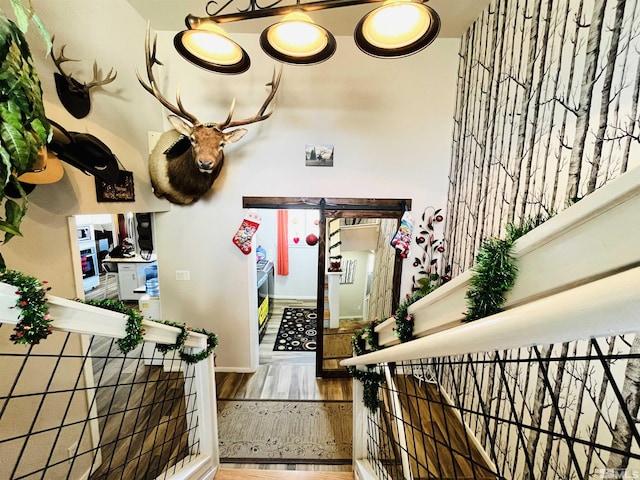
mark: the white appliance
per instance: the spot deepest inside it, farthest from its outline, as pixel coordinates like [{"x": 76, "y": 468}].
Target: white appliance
[{"x": 150, "y": 307}]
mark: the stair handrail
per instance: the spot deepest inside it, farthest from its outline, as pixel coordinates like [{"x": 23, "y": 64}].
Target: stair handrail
[{"x": 570, "y": 315}]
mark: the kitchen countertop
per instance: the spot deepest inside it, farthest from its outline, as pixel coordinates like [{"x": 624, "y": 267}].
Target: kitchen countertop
[{"x": 135, "y": 259}]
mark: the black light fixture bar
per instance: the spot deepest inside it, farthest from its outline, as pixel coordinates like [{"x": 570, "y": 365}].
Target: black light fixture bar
[
  {"x": 297, "y": 40},
  {"x": 255, "y": 11}
]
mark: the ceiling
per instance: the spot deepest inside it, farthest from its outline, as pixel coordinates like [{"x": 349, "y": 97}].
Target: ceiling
[{"x": 455, "y": 15}]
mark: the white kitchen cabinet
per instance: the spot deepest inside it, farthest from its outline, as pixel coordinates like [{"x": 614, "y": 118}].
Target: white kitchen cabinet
[{"x": 131, "y": 276}]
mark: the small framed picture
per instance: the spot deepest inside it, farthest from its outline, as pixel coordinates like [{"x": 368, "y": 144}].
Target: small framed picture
[
  {"x": 120, "y": 191},
  {"x": 319, "y": 155}
]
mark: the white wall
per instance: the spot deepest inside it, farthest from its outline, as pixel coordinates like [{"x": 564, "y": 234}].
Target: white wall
[
  {"x": 303, "y": 260},
  {"x": 120, "y": 116},
  {"x": 352, "y": 294},
  {"x": 390, "y": 122}
]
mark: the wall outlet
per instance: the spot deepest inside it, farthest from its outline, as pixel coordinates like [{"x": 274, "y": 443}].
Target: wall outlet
[{"x": 183, "y": 275}]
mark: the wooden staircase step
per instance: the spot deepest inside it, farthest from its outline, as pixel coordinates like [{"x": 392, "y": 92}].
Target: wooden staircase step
[{"x": 246, "y": 474}]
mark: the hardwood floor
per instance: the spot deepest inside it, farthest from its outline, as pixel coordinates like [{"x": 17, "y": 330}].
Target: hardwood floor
[
  {"x": 228, "y": 474},
  {"x": 99, "y": 293},
  {"x": 283, "y": 376}
]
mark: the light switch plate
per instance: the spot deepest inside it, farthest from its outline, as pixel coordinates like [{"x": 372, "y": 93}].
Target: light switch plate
[{"x": 183, "y": 275}]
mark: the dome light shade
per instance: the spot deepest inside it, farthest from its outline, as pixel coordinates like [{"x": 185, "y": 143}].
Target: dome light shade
[
  {"x": 297, "y": 40},
  {"x": 208, "y": 46},
  {"x": 398, "y": 28}
]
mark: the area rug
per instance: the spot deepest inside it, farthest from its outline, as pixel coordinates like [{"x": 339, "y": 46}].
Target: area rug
[
  {"x": 297, "y": 331},
  {"x": 275, "y": 431}
]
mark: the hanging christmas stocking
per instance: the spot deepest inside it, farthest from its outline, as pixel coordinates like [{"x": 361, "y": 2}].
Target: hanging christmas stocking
[
  {"x": 245, "y": 233},
  {"x": 402, "y": 238}
]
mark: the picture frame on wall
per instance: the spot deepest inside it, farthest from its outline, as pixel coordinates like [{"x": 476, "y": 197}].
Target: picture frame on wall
[
  {"x": 120, "y": 191},
  {"x": 319, "y": 155}
]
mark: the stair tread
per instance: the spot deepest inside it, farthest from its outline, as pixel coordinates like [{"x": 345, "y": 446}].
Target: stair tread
[{"x": 247, "y": 474}]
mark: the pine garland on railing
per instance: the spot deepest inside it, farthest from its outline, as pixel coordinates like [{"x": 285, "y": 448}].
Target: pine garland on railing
[
  {"x": 404, "y": 321},
  {"x": 34, "y": 321},
  {"x": 134, "y": 328},
  {"x": 495, "y": 271},
  {"x": 180, "y": 340},
  {"x": 372, "y": 336},
  {"x": 212, "y": 342},
  {"x": 371, "y": 381}
]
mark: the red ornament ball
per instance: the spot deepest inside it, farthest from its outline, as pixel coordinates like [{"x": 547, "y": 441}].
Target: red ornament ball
[{"x": 312, "y": 239}]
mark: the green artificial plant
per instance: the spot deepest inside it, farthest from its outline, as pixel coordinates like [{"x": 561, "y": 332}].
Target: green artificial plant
[{"x": 24, "y": 127}]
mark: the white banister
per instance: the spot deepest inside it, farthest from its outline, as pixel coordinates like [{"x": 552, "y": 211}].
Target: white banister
[
  {"x": 609, "y": 306},
  {"x": 590, "y": 240},
  {"x": 77, "y": 317}
]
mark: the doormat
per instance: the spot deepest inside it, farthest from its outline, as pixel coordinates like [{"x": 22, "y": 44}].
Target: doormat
[
  {"x": 274, "y": 431},
  {"x": 297, "y": 331}
]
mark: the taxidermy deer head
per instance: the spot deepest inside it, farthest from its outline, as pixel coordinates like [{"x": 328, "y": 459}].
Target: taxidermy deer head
[
  {"x": 187, "y": 160},
  {"x": 73, "y": 94}
]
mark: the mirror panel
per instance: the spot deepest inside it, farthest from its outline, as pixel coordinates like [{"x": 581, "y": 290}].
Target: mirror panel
[{"x": 363, "y": 290}]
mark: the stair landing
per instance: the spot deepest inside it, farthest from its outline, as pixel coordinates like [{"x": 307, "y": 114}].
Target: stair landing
[{"x": 245, "y": 474}]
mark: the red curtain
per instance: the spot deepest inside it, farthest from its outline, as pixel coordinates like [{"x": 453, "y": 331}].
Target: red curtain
[{"x": 283, "y": 242}]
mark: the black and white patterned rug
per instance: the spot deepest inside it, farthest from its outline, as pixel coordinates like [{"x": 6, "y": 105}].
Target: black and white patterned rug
[{"x": 298, "y": 330}]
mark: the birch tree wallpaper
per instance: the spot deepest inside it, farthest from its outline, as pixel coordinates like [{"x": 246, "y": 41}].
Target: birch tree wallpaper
[{"x": 546, "y": 113}]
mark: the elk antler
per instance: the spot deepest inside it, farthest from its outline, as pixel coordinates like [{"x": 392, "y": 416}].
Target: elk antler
[
  {"x": 261, "y": 115},
  {"x": 60, "y": 59},
  {"x": 151, "y": 87},
  {"x": 98, "y": 82}
]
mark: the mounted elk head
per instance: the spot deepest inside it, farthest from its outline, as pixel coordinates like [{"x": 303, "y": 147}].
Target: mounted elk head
[
  {"x": 187, "y": 159},
  {"x": 73, "y": 94}
]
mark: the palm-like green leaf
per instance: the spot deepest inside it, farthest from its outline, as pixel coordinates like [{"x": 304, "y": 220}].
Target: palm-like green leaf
[{"x": 24, "y": 127}]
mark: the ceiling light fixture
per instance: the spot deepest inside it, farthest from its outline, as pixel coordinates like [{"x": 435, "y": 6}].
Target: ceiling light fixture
[
  {"x": 298, "y": 40},
  {"x": 396, "y": 29},
  {"x": 207, "y": 45}
]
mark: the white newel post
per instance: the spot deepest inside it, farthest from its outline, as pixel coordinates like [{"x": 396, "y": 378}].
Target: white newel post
[{"x": 333, "y": 279}]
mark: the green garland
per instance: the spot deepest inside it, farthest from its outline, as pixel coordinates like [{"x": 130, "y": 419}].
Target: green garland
[
  {"x": 365, "y": 335},
  {"x": 182, "y": 337},
  {"x": 212, "y": 342},
  {"x": 371, "y": 381},
  {"x": 372, "y": 336},
  {"x": 358, "y": 342},
  {"x": 404, "y": 321},
  {"x": 494, "y": 275},
  {"x": 134, "y": 328},
  {"x": 34, "y": 321},
  {"x": 135, "y": 332},
  {"x": 495, "y": 271}
]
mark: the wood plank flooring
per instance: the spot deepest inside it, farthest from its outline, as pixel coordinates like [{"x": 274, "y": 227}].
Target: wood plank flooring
[
  {"x": 99, "y": 293},
  {"x": 283, "y": 376}
]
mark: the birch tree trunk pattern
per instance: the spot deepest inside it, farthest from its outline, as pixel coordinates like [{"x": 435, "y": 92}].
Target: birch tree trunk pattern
[{"x": 547, "y": 111}]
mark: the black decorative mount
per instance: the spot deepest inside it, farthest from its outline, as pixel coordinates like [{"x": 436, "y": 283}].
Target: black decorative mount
[{"x": 228, "y": 12}]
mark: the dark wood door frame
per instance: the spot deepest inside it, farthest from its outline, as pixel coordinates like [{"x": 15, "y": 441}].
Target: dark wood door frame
[{"x": 337, "y": 208}]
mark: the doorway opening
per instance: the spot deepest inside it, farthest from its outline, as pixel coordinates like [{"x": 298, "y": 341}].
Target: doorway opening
[
  {"x": 384, "y": 215},
  {"x": 118, "y": 260}
]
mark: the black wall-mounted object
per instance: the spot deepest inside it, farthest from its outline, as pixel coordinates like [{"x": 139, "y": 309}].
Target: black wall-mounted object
[{"x": 145, "y": 237}]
